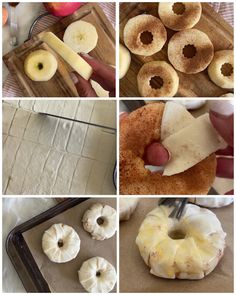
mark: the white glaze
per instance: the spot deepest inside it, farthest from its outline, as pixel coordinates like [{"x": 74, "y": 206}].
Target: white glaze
[{"x": 194, "y": 255}]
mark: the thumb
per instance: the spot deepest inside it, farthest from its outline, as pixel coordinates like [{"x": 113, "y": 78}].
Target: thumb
[{"x": 83, "y": 86}]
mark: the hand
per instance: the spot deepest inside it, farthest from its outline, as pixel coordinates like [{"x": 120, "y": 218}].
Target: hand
[
  {"x": 222, "y": 118},
  {"x": 102, "y": 74},
  {"x": 155, "y": 154}
]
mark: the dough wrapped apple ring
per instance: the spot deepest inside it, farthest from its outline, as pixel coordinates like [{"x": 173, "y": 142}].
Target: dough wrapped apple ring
[
  {"x": 100, "y": 221},
  {"x": 190, "y": 51},
  {"x": 157, "y": 79},
  {"x": 144, "y": 35},
  {"x": 127, "y": 207},
  {"x": 137, "y": 131},
  {"x": 221, "y": 69},
  {"x": 211, "y": 202},
  {"x": 189, "y": 248},
  {"x": 180, "y": 16},
  {"x": 61, "y": 243},
  {"x": 97, "y": 275}
]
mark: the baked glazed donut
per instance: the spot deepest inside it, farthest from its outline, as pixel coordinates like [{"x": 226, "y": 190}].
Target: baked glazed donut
[
  {"x": 180, "y": 16},
  {"x": 137, "y": 131},
  {"x": 97, "y": 275},
  {"x": 144, "y": 35},
  {"x": 166, "y": 83},
  {"x": 189, "y": 248},
  {"x": 221, "y": 69},
  {"x": 61, "y": 243},
  {"x": 211, "y": 202},
  {"x": 190, "y": 51},
  {"x": 100, "y": 221}
]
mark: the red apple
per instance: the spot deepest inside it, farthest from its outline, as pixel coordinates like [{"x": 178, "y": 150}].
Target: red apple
[
  {"x": 62, "y": 8},
  {"x": 4, "y": 15}
]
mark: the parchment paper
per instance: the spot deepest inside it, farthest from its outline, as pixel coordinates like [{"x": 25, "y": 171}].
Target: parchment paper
[
  {"x": 135, "y": 275},
  {"x": 63, "y": 277}
]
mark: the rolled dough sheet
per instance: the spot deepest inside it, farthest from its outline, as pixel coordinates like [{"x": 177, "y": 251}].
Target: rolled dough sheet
[
  {"x": 135, "y": 275},
  {"x": 99, "y": 112},
  {"x": 46, "y": 155},
  {"x": 63, "y": 277}
]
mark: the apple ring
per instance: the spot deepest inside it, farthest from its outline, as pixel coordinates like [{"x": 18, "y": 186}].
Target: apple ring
[
  {"x": 190, "y": 51},
  {"x": 144, "y": 35},
  {"x": 137, "y": 131},
  {"x": 40, "y": 65},
  {"x": 221, "y": 69},
  {"x": 157, "y": 79},
  {"x": 180, "y": 16}
]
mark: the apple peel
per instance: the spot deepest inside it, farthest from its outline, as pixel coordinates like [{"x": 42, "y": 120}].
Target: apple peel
[{"x": 71, "y": 57}]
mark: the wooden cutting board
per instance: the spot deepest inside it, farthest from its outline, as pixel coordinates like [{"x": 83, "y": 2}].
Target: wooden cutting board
[
  {"x": 218, "y": 30},
  {"x": 61, "y": 84}
]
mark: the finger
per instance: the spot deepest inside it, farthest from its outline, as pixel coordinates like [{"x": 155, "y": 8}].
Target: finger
[
  {"x": 156, "y": 155},
  {"x": 123, "y": 115},
  {"x": 225, "y": 167},
  {"x": 103, "y": 74},
  {"x": 230, "y": 193},
  {"x": 83, "y": 86},
  {"x": 229, "y": 151},
  {"x": 221, "y": 116}
]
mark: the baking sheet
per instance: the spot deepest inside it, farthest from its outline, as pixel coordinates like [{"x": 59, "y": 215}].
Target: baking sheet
[
  {"x": 63, "y": 277},
  {"x": 134, "y": 273}
]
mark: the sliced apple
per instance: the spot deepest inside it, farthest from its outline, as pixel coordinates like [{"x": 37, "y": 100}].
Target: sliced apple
[
  {"x": 81, "y": 36},
  {"x": 124, "y": 60}
]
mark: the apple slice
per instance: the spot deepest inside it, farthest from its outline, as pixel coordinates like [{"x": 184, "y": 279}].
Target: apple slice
[
  {"x": 124, "y": 60},
  {"x": 81, "y": 36},
  {"x": 71, "y": 57}
]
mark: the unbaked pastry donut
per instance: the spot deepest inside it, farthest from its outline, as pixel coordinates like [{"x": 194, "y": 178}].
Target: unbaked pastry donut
[
  {"x": 221, "y": 69},
  {"x": 60, "y": 243},
  {"x": 144, "y": 34},
  {"x": 190, "y": 51},
  {"x": 180, "y": 16},
  {"x": 97, "y": 275},
  {"x": 127, "y": 207},
  {"x": 189, "y": 248},
  {"x": 157, "y": 79},
  {"x": 100, "y": 221},
  {"x": 137, "y": 131},
  {"x": 211, "y": 202}
]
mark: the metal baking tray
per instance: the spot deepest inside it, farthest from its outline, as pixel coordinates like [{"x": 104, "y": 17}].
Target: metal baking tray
[{"x": 20, "y": 254}]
